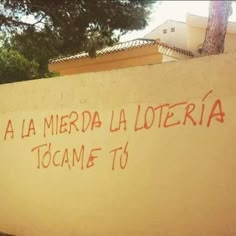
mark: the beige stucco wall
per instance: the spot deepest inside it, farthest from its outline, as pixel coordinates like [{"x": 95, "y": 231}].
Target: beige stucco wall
[
  {"x": 174, "y": 168},
  {"x": 117, "y": 60}
]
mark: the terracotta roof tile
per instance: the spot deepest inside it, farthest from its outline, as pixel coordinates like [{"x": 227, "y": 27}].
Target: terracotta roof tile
[{"x": 136, "y": 43}]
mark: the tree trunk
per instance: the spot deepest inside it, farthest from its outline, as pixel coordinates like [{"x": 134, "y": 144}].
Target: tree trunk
[{"x": 219, "y": 12}]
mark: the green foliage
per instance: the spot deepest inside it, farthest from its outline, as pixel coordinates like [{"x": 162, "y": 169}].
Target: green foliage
[
  {"x": 15, "y": 67},
  {"x": 72, "y": 21},
  {"x": 50, "y": 74},
  {"x": 97, "y": 38},
  {"x": 38, "y": 47},
  {"x": 44, "y": 29}
]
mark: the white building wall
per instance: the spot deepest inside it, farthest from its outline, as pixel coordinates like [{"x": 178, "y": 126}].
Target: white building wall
[{"x": 170, "y": 32}]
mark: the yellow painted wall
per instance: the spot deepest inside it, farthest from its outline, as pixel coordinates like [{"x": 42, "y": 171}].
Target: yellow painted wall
[
  {"x": 130, "y": 58},
  {"x": 173, "y": 174},
  {"x": 196, "y": 36}
]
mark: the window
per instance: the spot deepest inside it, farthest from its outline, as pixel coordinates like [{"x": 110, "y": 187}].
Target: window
[
  {"x": 164, "y": 31},
  {"x": 172, "y": 29}
]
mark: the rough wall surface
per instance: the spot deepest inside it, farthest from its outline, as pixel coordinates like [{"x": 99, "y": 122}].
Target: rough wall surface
[{"x": 143, "y": 151}]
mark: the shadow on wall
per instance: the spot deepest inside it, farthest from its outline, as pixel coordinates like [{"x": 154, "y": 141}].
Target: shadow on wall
[{"x": 5, "y": 234}]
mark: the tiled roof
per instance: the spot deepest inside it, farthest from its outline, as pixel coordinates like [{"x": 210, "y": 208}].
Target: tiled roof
[{"x": 136, "y": 43}]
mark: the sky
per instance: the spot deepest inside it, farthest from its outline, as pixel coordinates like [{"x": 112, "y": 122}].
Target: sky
[{"x": 175, "y": 10}]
